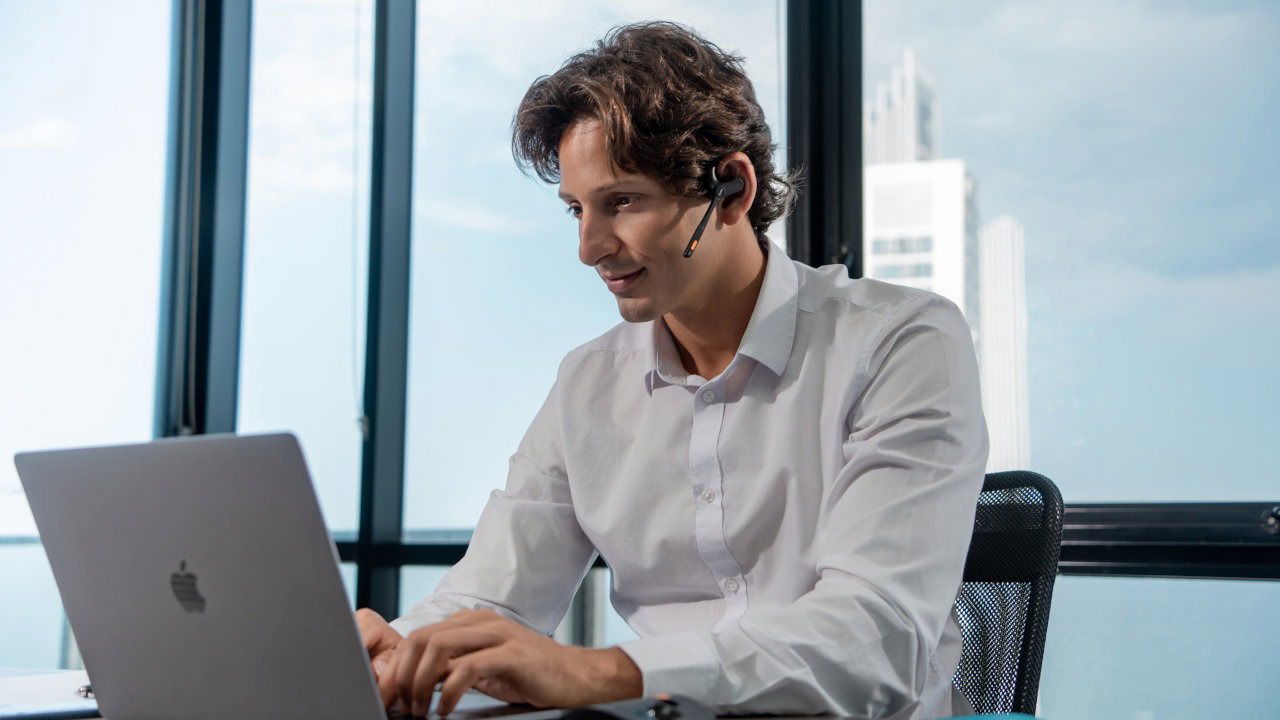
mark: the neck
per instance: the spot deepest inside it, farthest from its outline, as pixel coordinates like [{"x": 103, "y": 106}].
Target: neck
[{"x": 708, "y": 335}]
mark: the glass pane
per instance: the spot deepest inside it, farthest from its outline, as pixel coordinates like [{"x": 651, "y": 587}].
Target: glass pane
[
  {"x": 499, "y": 296},
  {"x": 31, "y": 619},
  {"x": 348, "y": 572},
  {"x": 417, "y": 582},
  {"x": 614, "y": 629},
  {"x": 1094, "y": 187},
  {"x": 82, "y": 160},
  {"x": 306, "y": 242},
  {"x": 1155, "y": 649}
]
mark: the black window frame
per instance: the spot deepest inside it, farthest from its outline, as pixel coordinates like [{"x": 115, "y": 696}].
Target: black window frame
[{"x": 197, "y": 376}]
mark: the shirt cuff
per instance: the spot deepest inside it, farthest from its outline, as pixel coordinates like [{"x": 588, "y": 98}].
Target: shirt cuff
[
  {"x": 411, "y": 621},
  {"x": 680, "y": 663}
]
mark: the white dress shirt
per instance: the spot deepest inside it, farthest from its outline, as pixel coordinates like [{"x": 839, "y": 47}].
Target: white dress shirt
[{"x": 787, "y": 537}]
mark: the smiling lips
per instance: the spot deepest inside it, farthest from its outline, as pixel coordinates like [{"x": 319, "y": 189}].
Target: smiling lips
[{"x": 619, "y": 283}]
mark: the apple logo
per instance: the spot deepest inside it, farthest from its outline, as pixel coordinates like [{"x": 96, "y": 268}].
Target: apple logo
[{"x": 184, "y": 588}]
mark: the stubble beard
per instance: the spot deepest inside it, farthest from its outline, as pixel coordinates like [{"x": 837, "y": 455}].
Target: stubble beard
[{"x": 636, "y": 311}]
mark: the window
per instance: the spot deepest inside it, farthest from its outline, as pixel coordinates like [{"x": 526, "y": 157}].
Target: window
[
  {"x": 900, "y": 270},
  {"x": 1160, "y": 648},
  {"x": 306, "y": 238},
  {"x": 1124, "y": 249},
  {"x": 499, "y": 296},
  {"x": 1112, "y": 248},
  {"x": 900, "y": 245},
  {"x": 82, "y": 153}
]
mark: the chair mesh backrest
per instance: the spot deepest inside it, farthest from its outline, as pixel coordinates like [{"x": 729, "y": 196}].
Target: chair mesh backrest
[{"x": 1003, "y": 605}]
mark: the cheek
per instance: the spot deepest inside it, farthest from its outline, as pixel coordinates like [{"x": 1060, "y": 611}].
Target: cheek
[{"x": 652, "y": 234}]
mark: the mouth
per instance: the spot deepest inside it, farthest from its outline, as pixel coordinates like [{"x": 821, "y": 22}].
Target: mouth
[{"x": 622, "y": 283}]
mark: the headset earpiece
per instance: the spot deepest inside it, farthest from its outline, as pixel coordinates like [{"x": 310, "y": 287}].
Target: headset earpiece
[
  {"x": 724, "y": 189},
  {"x": 719, "y": 191}
]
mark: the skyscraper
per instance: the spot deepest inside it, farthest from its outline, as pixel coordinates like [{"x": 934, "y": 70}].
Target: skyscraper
[
  {"x": 902, "y": 124},
  {"x": 920, "y": 215},
  {"x": 920, "y": 222},
  {"x": 1003, "y": 344},
  {"x": 921, "y": 229}
]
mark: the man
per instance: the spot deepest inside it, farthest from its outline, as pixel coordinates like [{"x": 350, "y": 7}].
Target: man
[{"x": 779, "y": 464}]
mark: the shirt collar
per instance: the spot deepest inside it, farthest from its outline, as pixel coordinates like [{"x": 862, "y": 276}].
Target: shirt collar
[{"x": 770, "y": 333}]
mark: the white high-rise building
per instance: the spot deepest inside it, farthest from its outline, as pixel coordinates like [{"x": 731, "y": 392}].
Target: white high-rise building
[
  {"x": 1003, "y": 346},
  {"x": 901, "y": 124},
  {"x": 919, "y": 228}
]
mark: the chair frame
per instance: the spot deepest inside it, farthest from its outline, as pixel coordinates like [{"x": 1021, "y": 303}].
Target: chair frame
[{"x": 989, "y": 561}]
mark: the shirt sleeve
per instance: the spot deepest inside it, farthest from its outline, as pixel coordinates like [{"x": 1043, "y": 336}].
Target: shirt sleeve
[
  {"x": 528, "y": 554},
  {"x": 891, "y": 544}
]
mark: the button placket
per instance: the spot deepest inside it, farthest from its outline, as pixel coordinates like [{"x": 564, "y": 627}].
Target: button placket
[{"x": 707, "y": 478}]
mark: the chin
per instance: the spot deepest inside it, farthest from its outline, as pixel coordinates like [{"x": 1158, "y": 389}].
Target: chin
[{"x": 636, "y": 310}]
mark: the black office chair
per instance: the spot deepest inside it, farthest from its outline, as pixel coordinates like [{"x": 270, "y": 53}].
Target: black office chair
[{"x": 1003, "y": 606}]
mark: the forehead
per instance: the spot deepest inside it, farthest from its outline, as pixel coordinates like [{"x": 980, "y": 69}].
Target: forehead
[{"x": 585, "y": 165}]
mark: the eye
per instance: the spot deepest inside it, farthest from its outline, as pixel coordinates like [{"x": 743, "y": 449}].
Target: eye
[
  {"x": 622, "y": 200},
  {"x": 574, "y": 210}
]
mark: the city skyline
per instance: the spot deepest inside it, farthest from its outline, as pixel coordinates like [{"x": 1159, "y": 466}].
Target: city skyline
[
  {"x": 1134, "y": 140},
  {"x": 922, "y": 228}
]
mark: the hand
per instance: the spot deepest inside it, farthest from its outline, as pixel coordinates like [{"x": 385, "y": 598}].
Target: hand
[
  {"x": 505, "y": 660},
  {"x": 380, "y": 639}
]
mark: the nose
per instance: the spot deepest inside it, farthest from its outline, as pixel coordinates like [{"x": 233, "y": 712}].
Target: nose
[{"x": 596, "y": 240}]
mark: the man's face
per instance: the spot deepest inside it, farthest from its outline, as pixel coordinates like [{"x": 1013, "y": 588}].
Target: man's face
[{"x": 630, "y": 229}]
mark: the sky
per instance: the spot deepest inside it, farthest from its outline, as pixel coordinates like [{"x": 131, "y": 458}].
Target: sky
[
  {"x": 1134, "y": 140},
  {"x": 498, "y": 295}
]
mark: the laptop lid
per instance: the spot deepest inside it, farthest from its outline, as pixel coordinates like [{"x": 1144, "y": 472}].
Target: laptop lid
[{"x": 200, "y": 580}]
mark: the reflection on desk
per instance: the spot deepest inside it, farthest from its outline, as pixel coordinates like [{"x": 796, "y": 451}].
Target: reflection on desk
[
  {"x": 51, "y": 695},
  {"x": 47, "y": 694}
]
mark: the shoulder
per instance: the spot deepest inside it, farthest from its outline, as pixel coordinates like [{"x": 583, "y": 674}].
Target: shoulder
[
  {"x": 829, "y": 292},
  {"x": 868, "y": 314},
  {"x": 625, "y": 341}
]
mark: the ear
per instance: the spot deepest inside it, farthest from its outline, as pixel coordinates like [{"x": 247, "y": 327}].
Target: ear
[{"x": 733, "y": 209}]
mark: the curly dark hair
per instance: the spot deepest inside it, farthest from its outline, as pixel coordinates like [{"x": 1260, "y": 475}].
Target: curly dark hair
[{"x": 671, "y": 104}]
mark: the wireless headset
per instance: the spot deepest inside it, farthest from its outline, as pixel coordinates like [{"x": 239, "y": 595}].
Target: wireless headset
[{"x": 719, "y": 191}]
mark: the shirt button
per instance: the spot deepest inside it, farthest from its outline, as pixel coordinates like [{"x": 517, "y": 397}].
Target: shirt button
[
  {"x": 708, "y": 496},
  {"x": 708, "y": 396},
  {"x": 731, "y": 585}
]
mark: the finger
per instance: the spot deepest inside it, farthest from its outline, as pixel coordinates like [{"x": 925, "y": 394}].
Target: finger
[
  {"x": 466, "y": 671},
  {"x": 377, "y": 634},
  {"x": 381, "y": 659},
  {"x": 396, "y": 680},
  {"x": 410, "y": 649},
  {"x": 367, "y": 622},
  {"x": 386, "y": 677},
  {"x": 443, "y": 647},
  {"x": 407, "y": 656}
]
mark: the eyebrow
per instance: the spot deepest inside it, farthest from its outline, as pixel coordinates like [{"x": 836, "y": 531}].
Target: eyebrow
[{"x": 603, "y": 188}]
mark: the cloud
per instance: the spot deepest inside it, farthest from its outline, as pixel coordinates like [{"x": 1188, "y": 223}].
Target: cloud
[
  {"x": 312, "y": 84},
  {"x": 1134, "y": 132},
  {"x": 1242, "y": 303},
  {"x": 311, "y": 89},
  {"x": 537, "y": 37},
  {"x": 464, "y": 214},
  {"x": 39, "y": 134},
  {"x": 1013, "y": 65}
]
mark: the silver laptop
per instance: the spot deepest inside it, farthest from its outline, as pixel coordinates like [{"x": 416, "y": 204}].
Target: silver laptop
[{"x": 200, "y": 581}]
